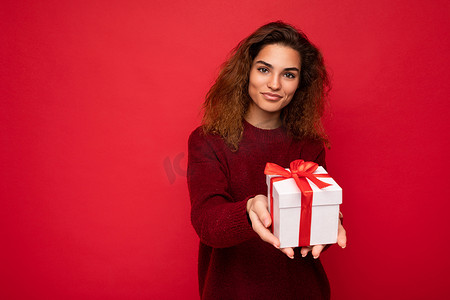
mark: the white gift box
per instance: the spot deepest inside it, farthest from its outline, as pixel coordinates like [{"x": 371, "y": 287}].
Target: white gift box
[{"x": 287, "y": 199}]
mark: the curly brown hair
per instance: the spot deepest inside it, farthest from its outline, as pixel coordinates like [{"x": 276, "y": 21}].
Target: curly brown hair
[{"x": 228, "y": 100}]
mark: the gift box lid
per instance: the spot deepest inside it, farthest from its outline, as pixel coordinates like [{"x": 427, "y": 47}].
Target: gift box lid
[{"x": 290, "y": 195}]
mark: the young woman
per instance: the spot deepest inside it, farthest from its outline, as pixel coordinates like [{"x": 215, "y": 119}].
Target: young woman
[{"x": 265, "y": 106}]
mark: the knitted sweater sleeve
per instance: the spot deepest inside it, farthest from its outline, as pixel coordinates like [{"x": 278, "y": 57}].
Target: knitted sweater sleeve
[{"x": 219, "y": 220}]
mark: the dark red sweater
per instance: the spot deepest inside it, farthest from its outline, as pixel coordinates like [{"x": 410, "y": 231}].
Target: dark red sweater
[{"x": 233, "y": 262}]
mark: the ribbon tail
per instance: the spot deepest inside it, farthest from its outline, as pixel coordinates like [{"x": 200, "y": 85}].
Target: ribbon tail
[
  {"x": 305, "y": 211},
  {"x": 319, "y": 183},
  {"x": 304, "y": 238}
]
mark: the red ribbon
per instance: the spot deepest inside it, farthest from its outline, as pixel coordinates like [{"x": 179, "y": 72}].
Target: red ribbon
[{"x": 299, "y": 170}]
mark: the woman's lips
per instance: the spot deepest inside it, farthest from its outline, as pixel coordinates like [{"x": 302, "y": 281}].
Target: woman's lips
[{"x": 272, "y": 97}]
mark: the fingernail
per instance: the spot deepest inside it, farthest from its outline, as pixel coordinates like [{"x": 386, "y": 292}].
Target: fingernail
[
  {"x": 276, "y": 246},
  {"x": 315, "y": 257},
  {"x": 303, "y": 255},
  {"x": 291, "y": 257},
  {"x": 343, "y": 247}
]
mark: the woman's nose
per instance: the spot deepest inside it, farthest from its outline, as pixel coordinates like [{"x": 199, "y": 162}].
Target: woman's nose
[{"x": 274, "y": 83}]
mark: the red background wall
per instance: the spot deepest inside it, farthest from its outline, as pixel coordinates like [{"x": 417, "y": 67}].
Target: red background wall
[{"x": 98, "y": 99}]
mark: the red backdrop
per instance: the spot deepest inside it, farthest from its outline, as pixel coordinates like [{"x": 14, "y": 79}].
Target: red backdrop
[{"x": 98, "y": 99}]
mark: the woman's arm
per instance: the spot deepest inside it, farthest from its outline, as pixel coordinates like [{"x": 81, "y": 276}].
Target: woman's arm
[{"x": 219, "y": 220}]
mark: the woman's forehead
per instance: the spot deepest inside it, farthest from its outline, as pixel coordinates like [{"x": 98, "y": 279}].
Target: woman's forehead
[{"x": 279, "y": 56}]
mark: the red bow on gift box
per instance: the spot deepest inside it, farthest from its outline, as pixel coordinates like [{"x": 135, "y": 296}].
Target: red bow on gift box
[{"x": 299, "y": 170}]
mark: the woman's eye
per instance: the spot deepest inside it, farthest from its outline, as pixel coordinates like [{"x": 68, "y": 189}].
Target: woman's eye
[
  {"x": 263, "y": 70},
  {"x": 289, "y": 75}
]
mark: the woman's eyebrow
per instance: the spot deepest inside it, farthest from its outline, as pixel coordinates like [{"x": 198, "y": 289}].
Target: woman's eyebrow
[
  {"x": 270, "y": 66},
  {"x": 264, "y": 63}
]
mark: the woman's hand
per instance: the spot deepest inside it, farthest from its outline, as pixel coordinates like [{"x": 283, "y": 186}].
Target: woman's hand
[
  {"x": 317, "y": 249},
  {"x": 257, "y": 209}
]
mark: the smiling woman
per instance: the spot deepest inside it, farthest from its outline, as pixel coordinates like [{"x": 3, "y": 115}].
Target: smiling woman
[
  {"x": 265, "y": 106},
  {"x": 274, "y": 79},
  {"x": 228, "y": 99}
]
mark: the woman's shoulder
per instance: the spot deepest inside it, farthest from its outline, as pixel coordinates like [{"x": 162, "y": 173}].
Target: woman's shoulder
[
  {"x": 313, "y": 144},
  {"x": 206, "y": 147},
  {"x": 196, "y": 133},
  {"x": 199, "y": 137},
  {"x": 200, "y": 134}
]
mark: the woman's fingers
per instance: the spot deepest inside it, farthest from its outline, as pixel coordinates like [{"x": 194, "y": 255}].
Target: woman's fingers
[
  {"x": 316, "y": 250},
  {"x": 304, "y": 251},
  {"x": 262, "y": 231},
  {"x": 259, "y": 207},
  {"x": 342, "y": 236},
  {"x": 288, "y": 251},
  {"x": 260, "y": 218}
]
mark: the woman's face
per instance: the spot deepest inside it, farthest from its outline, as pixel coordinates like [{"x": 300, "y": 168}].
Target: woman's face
[{"x": 274, "y": 78}]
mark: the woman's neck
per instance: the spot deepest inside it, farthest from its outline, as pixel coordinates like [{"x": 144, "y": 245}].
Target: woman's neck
[{"x": 263, "y": 120}]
